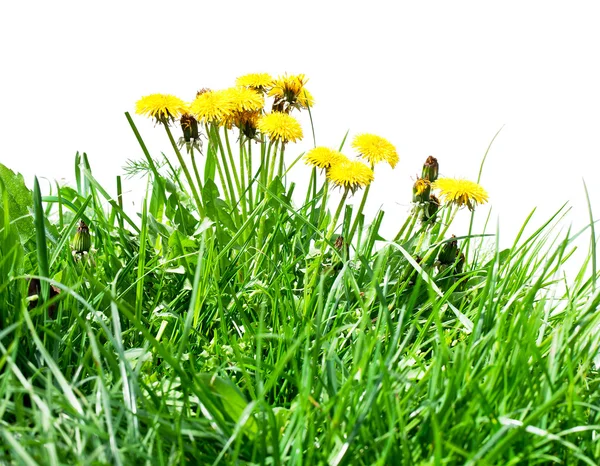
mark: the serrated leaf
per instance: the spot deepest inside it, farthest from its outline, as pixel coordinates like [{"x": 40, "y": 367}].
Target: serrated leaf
[{"x": 19, "y": 202}]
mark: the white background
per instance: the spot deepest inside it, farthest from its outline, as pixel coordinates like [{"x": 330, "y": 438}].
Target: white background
[{"x": 435, "y": 78}]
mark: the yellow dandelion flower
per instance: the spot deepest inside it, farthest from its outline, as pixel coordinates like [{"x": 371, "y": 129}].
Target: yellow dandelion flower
[
  {"x": 246, "y": 122},
  {"x": 243, "y": 99},
  {"x": 280, "y": 126},
  {"x": 375, "y": 149},
  {"x": 323, "y": 157},
  {"x": 211, "y": 106},
  {"x": 461, "y": 192},
  {"x": 257, "y": 81},
  {"x": 421, "y": 190},
  {"x": 162, "y": 107},
  {"x": 350, "y": 174},
  {"x": 290, "y": 92}
]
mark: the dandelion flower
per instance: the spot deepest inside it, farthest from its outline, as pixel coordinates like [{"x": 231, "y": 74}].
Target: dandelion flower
[
  {"x": 211, "y": 106},
  {"x": 421, "y": 190},
  {"x": 243, "y": 99},
  {"x": 162, "y": 107},
  {"x": 246, "y": 122},
  {"x": 461, "y": 192},
  {"x": 257, "y": 81},
  {"x": 375, "y": 149},
  {"x": 350, "y": 174},
  {"x": 324, "y": 157},
  {"x": 280, "y": 126},
  {"x": 290, "y": 92}
]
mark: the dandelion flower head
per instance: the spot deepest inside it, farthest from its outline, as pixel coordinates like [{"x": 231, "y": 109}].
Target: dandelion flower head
[
  {"x": 211, "y": 106},
  {"x": 461, "y": 192},
  {"x": 243, "y": 99},
  {"x": 421, "y": 186},
  {"x": 162, "y": 107},
  {"x": 324, "y": 157},
  {"x": 257, "y": 81},
  {"x": 375, "y": 149},
  {"x": 350, "y": 174},
  {"x": 290, "y": 92},
  {"x": 280, "y": 126}
]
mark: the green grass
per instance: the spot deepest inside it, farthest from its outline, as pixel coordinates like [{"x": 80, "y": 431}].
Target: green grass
[{"x": 245, "y": 336}]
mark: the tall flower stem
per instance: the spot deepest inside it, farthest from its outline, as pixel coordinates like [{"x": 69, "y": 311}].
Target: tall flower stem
[
  {"x": 195, "y": 167},
  {"x": 337, "y": 215},
  {"x": 359, "y": 212},
  {"x": 225, "y": 165},
  {"x": 323, "y": 209},
  {"x": 211, "y": 139},
  {"x": 281, "y": 153},
  {"x": 272, "y": 160},
  {"x": 232, "y": 162},
  {"x": 243, "y": 192},
  {"x": 186, "y": 172},
  {"x": 250, "y": 182}
]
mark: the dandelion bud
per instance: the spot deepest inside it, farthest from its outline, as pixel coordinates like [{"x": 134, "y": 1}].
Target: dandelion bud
[
  {"x": 421, "y": 190},
  {"x": 430, "y": 169},
  {"x": 460, "y": 263},
  {"x": 449, "y": 252},
  {"x": 82, "y": 241},
  {"x": 430, "y": 210},
  {"x": 189, "y": 125}
]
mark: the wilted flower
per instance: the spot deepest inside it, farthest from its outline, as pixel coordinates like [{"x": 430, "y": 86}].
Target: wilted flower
[
  {"x": 430, "y": 169},
  {"x": 189, "y": 125}
]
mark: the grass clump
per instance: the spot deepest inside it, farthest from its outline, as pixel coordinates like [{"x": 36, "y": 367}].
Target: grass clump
[{"x": 230, "y": 323}]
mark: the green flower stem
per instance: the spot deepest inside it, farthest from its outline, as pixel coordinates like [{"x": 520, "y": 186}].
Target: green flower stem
[
  {"x": 225, "y": 166},
  {"x": 231, "y": 160},
  {"x": 313, "y": 270},
  {"x": 211, "y": 138},
  {"x": 323, "y": 209},
  {"x": 186, "y": 172},
  {"x": 249, "y": 170},
  {"x": 262, "y": 170},
  {"x": 281, "y": 154},
  {"x": 337, "y": 215},
  {"x": 243, "y": 192},
  {"x": 195, "y": 167},
  {"x": 358, "y": 213},
  {"x": 272, "y": 159},
  {"x": 410, "y": 220}
]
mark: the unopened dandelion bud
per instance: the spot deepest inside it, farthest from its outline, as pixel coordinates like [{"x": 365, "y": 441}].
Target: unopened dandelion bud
[
  {"x": 82, "y": 241},
  {"x": 449, "y": 252},
  {"x": 421, "y": 190},
  {"x": 460, "y": 263},
  {"x": 431, "y": 208},
  {"x": 189, "y": 125},
  {"x": 430, "y": 169}
]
